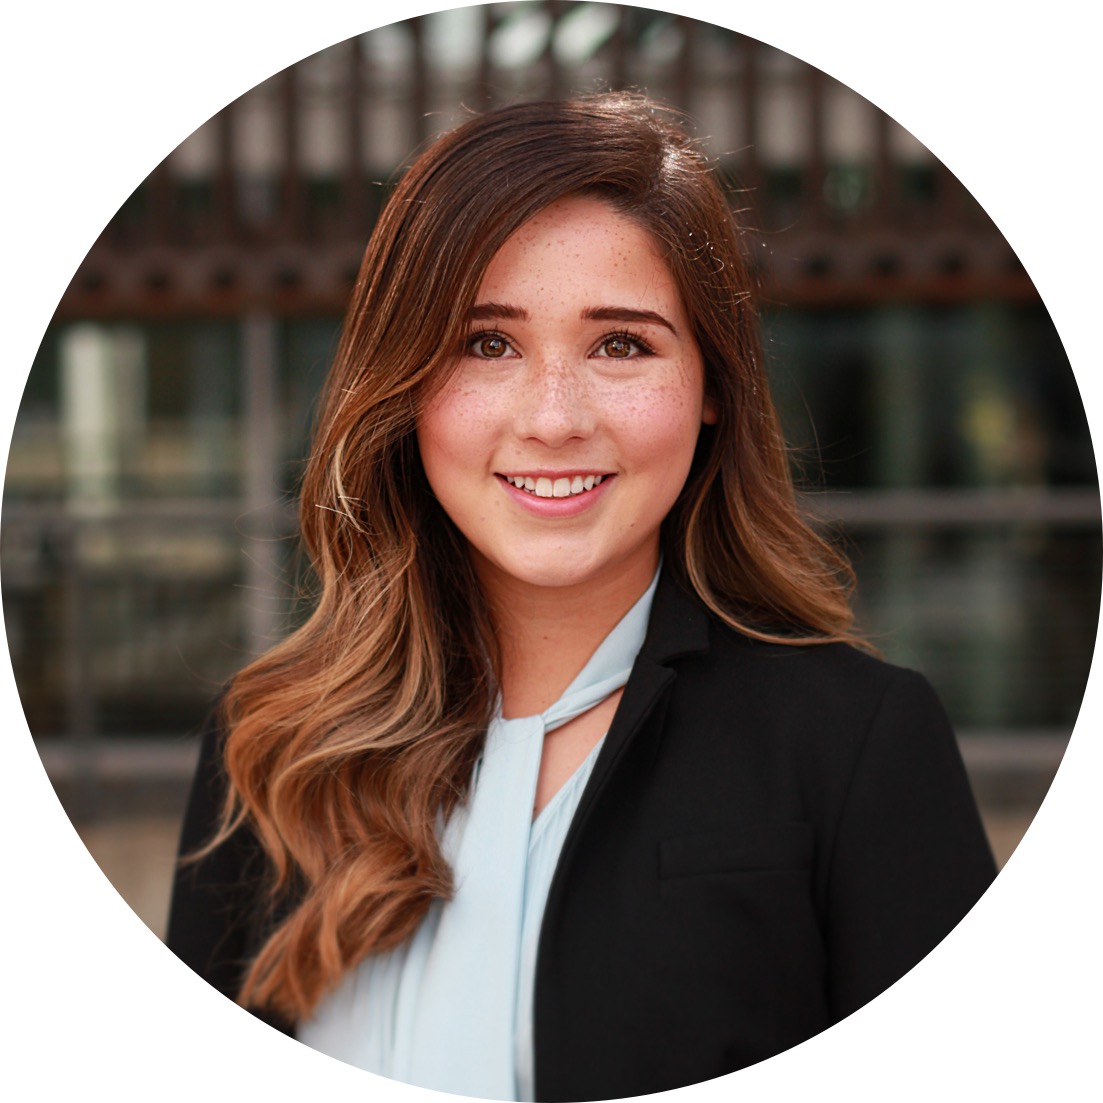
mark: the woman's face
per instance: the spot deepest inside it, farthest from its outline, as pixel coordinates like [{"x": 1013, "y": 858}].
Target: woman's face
[{"x": 567, "y": 431}]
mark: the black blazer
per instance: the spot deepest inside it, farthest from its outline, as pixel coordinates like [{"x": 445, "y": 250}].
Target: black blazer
[{"x": 771, "y": 836}]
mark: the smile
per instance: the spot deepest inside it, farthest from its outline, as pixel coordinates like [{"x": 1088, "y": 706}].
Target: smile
[{"x": 563, "y": 487}]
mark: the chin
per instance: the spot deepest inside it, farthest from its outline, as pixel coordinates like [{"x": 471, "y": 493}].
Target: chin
[
  {"x": 546, "y": 570},
  {"x": 552, "y": 576}
]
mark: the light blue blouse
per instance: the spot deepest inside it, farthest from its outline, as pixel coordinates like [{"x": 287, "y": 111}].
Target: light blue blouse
[{"x": 451, "y": 1008}]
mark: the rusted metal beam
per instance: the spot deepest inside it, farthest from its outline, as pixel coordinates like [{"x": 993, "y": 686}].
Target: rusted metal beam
[{"x": 300, "y": 278}]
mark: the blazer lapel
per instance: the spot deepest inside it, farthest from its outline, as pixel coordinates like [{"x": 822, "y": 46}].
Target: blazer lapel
[{"x": 678, "y": 626}]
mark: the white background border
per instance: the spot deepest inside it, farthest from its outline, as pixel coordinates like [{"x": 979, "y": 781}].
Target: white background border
[{"x": 94, "y": 95}]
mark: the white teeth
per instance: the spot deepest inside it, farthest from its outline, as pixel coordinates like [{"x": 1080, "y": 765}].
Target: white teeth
[{"x": 564, "y": 487}]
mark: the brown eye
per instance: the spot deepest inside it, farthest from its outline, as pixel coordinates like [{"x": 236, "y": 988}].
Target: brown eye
[
  {"x": 491, "y": 346},
  {"x": 618, "y": 347}
]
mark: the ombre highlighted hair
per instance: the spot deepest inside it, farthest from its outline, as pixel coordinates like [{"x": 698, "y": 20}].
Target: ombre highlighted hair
[{"x": 346, "y": 743}]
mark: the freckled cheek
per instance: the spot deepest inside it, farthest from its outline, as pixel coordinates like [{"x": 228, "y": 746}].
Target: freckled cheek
[
  {"x": 661, "y": 422},
  {"x": 460, "y": 425}
]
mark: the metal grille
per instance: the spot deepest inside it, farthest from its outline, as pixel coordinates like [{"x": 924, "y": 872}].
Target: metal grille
[{"x": 268, "y": 205}]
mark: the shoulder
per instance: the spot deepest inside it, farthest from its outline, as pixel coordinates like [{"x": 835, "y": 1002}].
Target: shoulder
[
  {"x": 806, "y": 696},
  {"x": 220, "y": 911},
  {"x": 813, "y": 716},
  {"x": 216, "y": 892},
  {"x": 824, "y": 681},
  {"x": 713, "y": 658}
]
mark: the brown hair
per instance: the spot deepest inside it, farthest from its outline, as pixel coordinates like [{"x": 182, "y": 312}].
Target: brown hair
[{"x": 347, "y": 742}]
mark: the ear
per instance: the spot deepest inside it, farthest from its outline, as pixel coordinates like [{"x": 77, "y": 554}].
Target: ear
[{"x": 709, "y": 414}]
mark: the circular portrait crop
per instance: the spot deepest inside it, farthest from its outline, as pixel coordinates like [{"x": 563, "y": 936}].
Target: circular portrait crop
[{"x": 550, "y": 552}]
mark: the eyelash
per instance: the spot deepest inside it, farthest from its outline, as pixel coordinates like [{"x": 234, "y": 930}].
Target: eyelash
[
  {"x": 473, "y": 339},
  {"x": 632, "y": 338},
  {"x": 627, "y": 335}
]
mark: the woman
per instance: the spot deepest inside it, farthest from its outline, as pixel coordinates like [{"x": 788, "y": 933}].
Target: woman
[{"x": 577, "y": 783}]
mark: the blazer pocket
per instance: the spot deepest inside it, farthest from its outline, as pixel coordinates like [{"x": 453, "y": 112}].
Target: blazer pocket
[{"x": 745, "y": 848}]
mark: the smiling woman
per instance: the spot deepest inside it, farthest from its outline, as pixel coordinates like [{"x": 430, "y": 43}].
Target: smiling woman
[
  {"x": 577, "y": 784},
  {"x": 553, "y": 393}
]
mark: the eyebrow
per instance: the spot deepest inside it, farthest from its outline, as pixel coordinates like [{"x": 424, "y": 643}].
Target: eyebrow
[
  {"x": 488, "y": 312},
  {"x": 625, "y": 314},
  {"x": 485, "y": 312}
]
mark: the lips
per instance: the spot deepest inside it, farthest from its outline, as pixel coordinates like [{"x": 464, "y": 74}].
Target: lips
[{"x": 562, "y": 486}]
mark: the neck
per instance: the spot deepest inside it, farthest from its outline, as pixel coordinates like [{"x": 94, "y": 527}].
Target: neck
[{"x": 548, "y": 634}]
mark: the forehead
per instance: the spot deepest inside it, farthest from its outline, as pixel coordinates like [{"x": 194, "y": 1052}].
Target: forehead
[{"x": 580, "y": 245}]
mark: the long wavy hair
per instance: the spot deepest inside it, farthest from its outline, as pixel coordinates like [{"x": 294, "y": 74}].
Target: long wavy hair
[{"x": 348, "y": 742}]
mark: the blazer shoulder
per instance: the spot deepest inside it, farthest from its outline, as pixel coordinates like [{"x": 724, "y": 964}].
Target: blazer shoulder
[
  {"x": 216, "y": 893},
  {"x": 817, "y": 707},
  {"x": 220, "y": 911},
  {"x": 839, "y": 671}
]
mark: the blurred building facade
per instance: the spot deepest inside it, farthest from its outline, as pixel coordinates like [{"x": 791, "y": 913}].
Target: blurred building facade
[{"x": 149, "y": 517}]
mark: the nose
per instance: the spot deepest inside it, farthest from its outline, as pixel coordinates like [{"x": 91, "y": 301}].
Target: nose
[{"x": 555, "y": 406}]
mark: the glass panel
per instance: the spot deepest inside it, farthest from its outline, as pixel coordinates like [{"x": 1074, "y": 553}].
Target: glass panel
[
  {"x": 1002, "y": 621},
  {"x": 122, "y": 626},
  {"x": 909, "y": 396},
  {"x": 194, "y": 442},
  {"x": 308, "y": 346},
  {"x": 124, "y": 410},
  {"x": 35, "y": 466}
]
